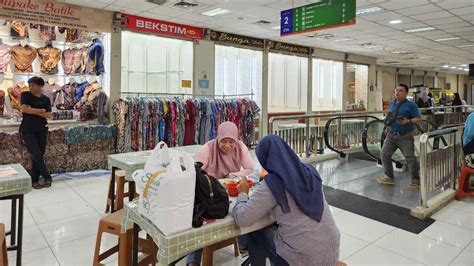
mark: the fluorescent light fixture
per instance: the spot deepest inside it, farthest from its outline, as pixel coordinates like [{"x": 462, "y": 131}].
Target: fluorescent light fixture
[
  {"x": 216, "y": 12},
  {"x": 446, "y": 39},
  {"x": 396, "y": 21},
  {"x": 344, "y": 40},
  {"x": 277, "y": 27},
  {"x": 446, "y": 66},
  {"x": 398, "y": 52},
  {"x": 465, "y": 46},
  {"x": 453, "y": 67},
  {"x": 460, "y": 68},
  {"x": 464, "y": 65},
  {"x": 419, "y": 29},
  {"x": 466, "y": 69},
  {"x": 368, "y": 10}
]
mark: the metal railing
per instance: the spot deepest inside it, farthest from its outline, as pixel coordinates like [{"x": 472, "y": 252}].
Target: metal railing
[{"x": 440, "y": 166}]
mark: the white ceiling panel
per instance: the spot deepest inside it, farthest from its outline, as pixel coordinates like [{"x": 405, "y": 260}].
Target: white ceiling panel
[
  {"x": 469, "y": 17},
  {"x": 137, "y": 5},
  {"x": 454, "y": 26},
  {"x": 388, "y": 15},
  {"x": 434, "y": 15},
  {"x": 122, "y": 10},
  {"x": 90, "y": 3},
  {"x": 195, "y": 17},
  {"x": 168, "y": 11},
  {"x": 419, "y": 10},
  {"x": 462, "y": 11},
  {"x": 400, "y": 4},
  {"x": 441, "y": 21},
  {"x": 263, "y": 11},
  {"x": 454, "y": 3},
  {"x": 154, "y": 16},
  {"x": 413, "y": 25}
]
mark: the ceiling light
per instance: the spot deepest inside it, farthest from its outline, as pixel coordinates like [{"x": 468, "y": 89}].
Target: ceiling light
[
  {"x": 464, "y": 65},
  {"x": 446, "y": 39},
  {"x": 367, "y": 10},
  {"x": 453, "y": 67},
  {"x": 344, "y": 40},
  {"x": 419, "y": 29},
  {"x": 446, "y": 66},
  {"x": 398, "y": 52},
  {"x": 277, "y": 27},
  {"x": 396, "y": 21},
  {"x": 460, "y": 68},
  {"x": 466, "y": 69},
  {"x": 465, "y": 46},
  {"x": 216, "y": 12}
]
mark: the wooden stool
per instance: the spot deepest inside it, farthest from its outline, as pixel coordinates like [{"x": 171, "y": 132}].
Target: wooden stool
[
  {"x": 112, "y": 224},
  {"x": 115, "y": 200},
  {"x": 208, "y": 252},
  {"x": 4, "y": 255},
  {"x": 340, "y": 263},
  {"x": 464, "y": 189}
]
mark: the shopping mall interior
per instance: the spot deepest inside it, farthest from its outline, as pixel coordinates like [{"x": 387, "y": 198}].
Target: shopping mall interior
[{"x": 124, "y": 123}]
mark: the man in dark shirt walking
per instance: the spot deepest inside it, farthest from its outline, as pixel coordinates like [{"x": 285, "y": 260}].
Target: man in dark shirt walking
[
  {"x": 36, "y": 109},
  {"x": 403, "y": 115}
]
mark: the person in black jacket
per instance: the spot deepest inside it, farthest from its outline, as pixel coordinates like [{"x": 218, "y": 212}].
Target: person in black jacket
[{"x": 36, "y": 109}]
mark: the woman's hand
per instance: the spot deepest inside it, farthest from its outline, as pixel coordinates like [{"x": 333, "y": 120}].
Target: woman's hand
[{"x": 243, "y": 186}]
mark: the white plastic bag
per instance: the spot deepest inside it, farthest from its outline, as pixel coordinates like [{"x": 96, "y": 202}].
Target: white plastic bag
[{"x": 166, "y": 190}]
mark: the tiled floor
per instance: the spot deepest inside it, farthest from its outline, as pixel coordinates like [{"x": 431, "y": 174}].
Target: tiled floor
[{"x": 61, "y": 225}]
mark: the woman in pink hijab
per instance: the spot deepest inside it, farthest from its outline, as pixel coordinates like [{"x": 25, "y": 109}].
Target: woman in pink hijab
[{"x": 226, "y": 156}]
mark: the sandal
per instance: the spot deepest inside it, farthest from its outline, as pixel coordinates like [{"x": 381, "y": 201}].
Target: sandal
[
  {"x": 37, "y": 186},
  {"x": 47, "y": 183}
]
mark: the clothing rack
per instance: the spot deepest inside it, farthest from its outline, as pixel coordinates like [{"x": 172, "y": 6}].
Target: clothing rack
[{"x": 153, "y": 94}]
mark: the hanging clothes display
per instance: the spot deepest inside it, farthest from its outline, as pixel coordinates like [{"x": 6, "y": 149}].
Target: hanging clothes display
[
  {"x": 15, "y": 96},
  {"x": 5, "y": 57},
  {"x": 49, "y": 58},
  {"x": 50, "y": 90},
  {"x": 95, "y": 59},
  {"x": 23, "y": 57},
  {"x": 19, "y": 29},
  {"x": 65, "y": 98},
  {"x": 144, "y": 122}
]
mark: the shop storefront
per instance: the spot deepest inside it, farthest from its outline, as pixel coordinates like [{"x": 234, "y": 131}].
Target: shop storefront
[
  {"x": 69, "y": 47},
  {"x": 327, "y": 85},
  {"x": 358, "y": 81}
]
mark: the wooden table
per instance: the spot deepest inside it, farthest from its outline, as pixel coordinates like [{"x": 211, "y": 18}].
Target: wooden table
[{"x": 13, "y": 187}]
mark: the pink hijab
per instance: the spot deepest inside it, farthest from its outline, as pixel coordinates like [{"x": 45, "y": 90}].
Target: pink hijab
[{"x": 220, "y": 163}]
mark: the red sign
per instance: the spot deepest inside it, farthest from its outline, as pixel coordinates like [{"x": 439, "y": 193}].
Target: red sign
[{"x": 161, "y": 27}]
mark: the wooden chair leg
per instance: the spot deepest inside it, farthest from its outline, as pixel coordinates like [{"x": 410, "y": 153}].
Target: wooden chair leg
[
  {"x": 110, "y": 196},
  {"x": 97, "y": 247},
  {"x": 4, "y": 257},
  {"x": 236, "y": 248},
  {"x": 125, "y": 248},
  {"x": 120, "y": 193},
  {"x": 207, "y": 256}
]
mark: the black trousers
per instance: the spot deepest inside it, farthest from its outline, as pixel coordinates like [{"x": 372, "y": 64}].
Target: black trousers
[{"x": 35, "y": 142}]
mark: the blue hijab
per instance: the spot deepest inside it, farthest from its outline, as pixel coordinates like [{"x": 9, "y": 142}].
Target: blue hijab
[
  {"x": 287, "y": 173},
  {"x": 468, "y": 133}
]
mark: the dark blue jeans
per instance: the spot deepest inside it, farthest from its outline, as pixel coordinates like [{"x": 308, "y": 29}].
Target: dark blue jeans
[{"x": 261, "y": 245}]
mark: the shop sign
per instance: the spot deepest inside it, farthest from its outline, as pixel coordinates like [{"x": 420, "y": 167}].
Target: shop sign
[
  {"x": 160, "y": 27},
  {"x": 322, "y": 15},
  {"x": 186, "y": 83},
  {"x": 56, "y": 14},
  {"x": 288, "y": 48},
  {"x": 238, "y": 40},
  {"x": 204, "y": 84}
]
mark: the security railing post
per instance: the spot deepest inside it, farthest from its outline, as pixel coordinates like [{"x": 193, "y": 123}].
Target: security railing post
[
  {"x": 307, "y": 138},
  {"x": 423, "y": 177}
]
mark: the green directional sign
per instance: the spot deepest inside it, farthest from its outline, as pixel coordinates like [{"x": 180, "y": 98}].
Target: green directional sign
[{"x": 318, "y": 16}]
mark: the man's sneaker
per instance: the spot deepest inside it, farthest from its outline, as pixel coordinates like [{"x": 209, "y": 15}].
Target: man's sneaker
[
  {"x": 386, "y": 181},
  {"x": 244, "y": 253},
  {"x": 414, "y": 184}
]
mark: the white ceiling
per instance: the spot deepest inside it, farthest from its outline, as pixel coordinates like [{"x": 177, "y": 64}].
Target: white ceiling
[{"x": 450, "y": 18}]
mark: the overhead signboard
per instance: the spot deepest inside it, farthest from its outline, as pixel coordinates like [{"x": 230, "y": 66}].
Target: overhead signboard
[
  {"x": 288, "y": 48},
  {"x": 161, "y": 27},
  {"x": 237, "y": 40},
  {"x": 318, "y": 16},
  {"x": 51, "y": 12}
]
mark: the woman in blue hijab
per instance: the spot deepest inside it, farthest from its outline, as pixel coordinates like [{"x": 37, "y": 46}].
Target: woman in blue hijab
[{"x": 305, "y": 232}]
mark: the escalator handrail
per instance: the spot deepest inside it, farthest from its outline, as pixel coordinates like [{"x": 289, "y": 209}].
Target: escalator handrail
[
  {"x": 364, "y": 140},
  {"x": 328, "y": 124}
]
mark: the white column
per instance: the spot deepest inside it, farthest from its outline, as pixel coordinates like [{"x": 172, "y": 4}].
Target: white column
[
  {"x": 264, "y": 108},
  {"x": 115, "y": 71}
]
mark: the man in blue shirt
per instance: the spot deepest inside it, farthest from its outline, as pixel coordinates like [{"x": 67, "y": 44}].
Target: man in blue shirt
[{"x": 403, "y": 115}]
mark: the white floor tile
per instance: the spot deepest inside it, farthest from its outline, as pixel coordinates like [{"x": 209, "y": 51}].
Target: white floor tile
[
  {"x": 47, "y": 196},
  {"x": 60, "y": 210},
  {"x": 70, "y": 229},
  {"x": 461, "y": 206},
  {"x": 5, "y": 218},
  {"x": 361, "y": 227},
  {"x": 335, "y": 211},
  {"x": 42, "y": 257},
  {"x": 350, "y": 245},
  {"x": 373, "y": 255},
  {"x": 456, "y": 217},
  {"x": 67, "y": 253},
  {"x": 449, "y": 234},
  {"x": 418, "y": 248},
  {"x": 89, "y": 190},
  {"x": 98, "y": 203},
  {"x": 466, "y": 258},
  {"x": 32, "y": 240}
]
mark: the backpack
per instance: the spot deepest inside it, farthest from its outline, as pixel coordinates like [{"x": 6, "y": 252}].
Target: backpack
[{"x": 210, "y": 199}]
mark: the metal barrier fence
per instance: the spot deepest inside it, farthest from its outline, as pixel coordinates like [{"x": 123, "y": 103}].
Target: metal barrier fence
[{"x": 440, "y": 166}]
